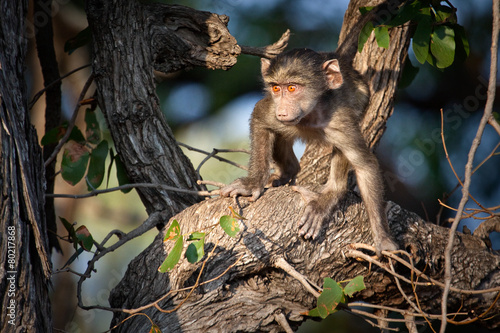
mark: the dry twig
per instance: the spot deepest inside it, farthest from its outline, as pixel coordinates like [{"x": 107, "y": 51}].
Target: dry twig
[{"x": 468, "y": 167}]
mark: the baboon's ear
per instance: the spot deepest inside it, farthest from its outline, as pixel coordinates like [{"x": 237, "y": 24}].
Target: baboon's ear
[
  {"x": 333, "y": 74},
  {"x": 264, "y": 65}
]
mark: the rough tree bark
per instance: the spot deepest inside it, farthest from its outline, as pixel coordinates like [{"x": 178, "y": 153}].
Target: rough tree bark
[
  {"x": 129, "y": 40},
  {"x": 26, "y": 269}
]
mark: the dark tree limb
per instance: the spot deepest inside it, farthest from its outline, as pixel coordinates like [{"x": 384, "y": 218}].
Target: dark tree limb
[
  {"x": 50, "y": 72},
  {"x": 164, "y": 38},
  {"x": 26, "y": 267}
]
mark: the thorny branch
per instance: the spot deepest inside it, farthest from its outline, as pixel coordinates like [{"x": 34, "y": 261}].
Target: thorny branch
[{"x": 488, "y": 109}]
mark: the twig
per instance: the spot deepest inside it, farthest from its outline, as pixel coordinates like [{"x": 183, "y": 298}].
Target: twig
[
  {"x": 193, "y": 287},
  {"x": 214, "y": 153},
  {"x": 210, "y": 182},
  {"x": 420, "y": 274},
  {"x": 94, "y": 193},
  {"x": 281, "y": 319},
  {"x": 493, "y": 152},
  {"x": 494, "y": 123},
  {"x": 451, "y": 164},
  {"x": 468, "y": 167},
  {"x": 402, "y": 292},
  {"x": 148, "y": 224},
  {"x": 411, "y": 325},
  {"x": 269, "y": 51},
  {"x": 71, "y": 122},
  {"x": 284, "y": 265},
  {"x": 400, "y": 311},
  {"x": 39, "y": 94}
]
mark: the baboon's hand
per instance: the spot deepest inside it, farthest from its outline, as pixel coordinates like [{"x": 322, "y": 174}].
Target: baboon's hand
[
  {"x": 312, "y": 220},
  {"x": 317, "y": 209},
  {"x": 243, "y": 186}
]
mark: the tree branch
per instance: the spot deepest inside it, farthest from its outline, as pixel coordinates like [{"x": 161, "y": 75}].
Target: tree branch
[{"x": 488, "y": 109}]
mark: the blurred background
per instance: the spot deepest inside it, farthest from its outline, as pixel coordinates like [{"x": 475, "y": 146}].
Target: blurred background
[{"x": 210, "y": 109}]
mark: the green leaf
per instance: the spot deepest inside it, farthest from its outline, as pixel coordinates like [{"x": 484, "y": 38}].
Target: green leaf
[
  {"x": 330, "y": 298},
  {"x": 312, "y": 313},
  {"x": 74, "y": 256},
  {"x": 444, "y": 14},
  {"x": 443, "y": 45},
  {"x": 173, "y": 257},
  {"x": 121, "y": 173},
  {"x": 93, "y": 130},
  {"x": 82, "y": 38},
  {"x": 195, "y": 251},
  {"x": 405, "y": 13},
  {"x": 422, "y": 36},
  {"x": 97, "y": 165},
  {"x": 364, "y": 10},
  {"x": 155, "y": 329},
  {"x": 230, "y": 225},
  {"x": 54, "y": 135},
  {"x": 74, "y": 162},
  {"x": 364, "y": 35},
  {"x": 84, "y": 237},
  {"x": 382, "y": 36},
  {"x": 355, "y": 285},
  {"x": 197, "y": 235},
  {"x": 173, "y": 231},
  {"x": 409, "y": 73},
  {"x": 76, "y": 135},
  {"x": 70, "y": 228},
  {"x": 462, "y": 48}
]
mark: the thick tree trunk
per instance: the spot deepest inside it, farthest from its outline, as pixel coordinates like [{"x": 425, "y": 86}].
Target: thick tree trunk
[
  {"x": 26, "y": 268},
  {"x": 129, "y": 40},
  {"x": 123, "y": 55},
  {"x": 249, "y": 296}
]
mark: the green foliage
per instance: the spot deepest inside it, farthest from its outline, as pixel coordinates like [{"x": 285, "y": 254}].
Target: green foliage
[
  {"x": 155, "y": 329},
  {"x": 93, "y": 130},
  {"x": 54, "y": 135},
  {"x": 74, "y": 162},
  {"x": 121, "y": 173},
  {"x": 333, "y": 294},
  {"x": 84, "y": 237},
  {"x": 97, "y": 165},
  {"x": 173, "y": 234},
  {"x": 437, "y": 37},
  {"x": 81, "y": 238},
  {"x": 382, "y": 36},
  {"x": 196, "y": 248},
  {"x": 364, "y": 35},
  {"x": 86, "y": 155},
  {"x": 230, "y": 225}
]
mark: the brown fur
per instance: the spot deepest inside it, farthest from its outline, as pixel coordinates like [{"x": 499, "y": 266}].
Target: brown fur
[{"x": 314, "y": 97}]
